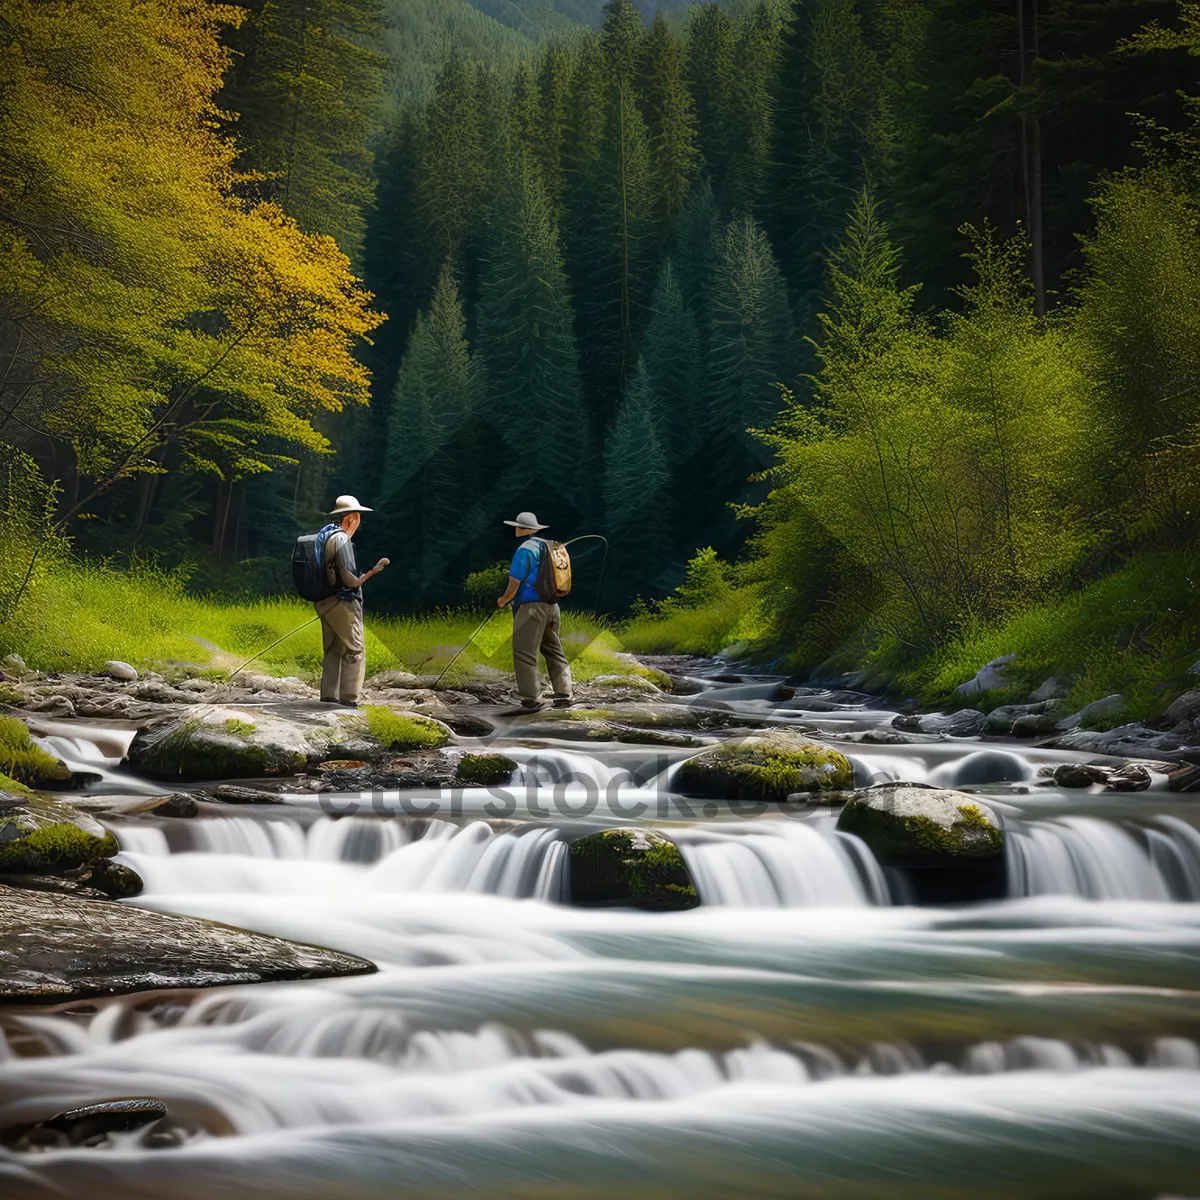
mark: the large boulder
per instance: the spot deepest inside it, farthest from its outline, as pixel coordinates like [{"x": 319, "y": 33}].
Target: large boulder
[
  {"x": 225, "y": 742},
  {"x": 907, "y": 826},
  {"x": 484, "y": 770},
  {"x": 637, "y": 868},
  {"x": 769, "y": 766},
  {"x": 57, "y": 948},
  {"x": 48, "y": 837}
]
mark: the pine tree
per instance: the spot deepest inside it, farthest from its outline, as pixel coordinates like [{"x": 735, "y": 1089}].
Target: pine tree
[
  {"x": 535, "y": 404},
  {"x": 307, "y": 89},
  {"x": 750, "y": 352},
  {"x": 621, "y": 38},
  {"x": 697, "y": 249},
  {"x": 636, "y": 486},
  {"x": 751, "y": 109},
  {"x": 826, "y": 108},
  {"x": 554, "y": 82},
  {"x": 673, "y": 368},
  {"x": 671, "y": 120},
  {"x": 711, "y": 70},
  {"x": 452, "y": 157},
  {"x": 431, "y": 463}
]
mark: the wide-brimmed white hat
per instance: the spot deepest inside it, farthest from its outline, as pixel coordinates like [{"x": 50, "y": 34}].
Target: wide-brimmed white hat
[
  {"x": 348, "y": 504},
  {"x": 526, "y": 520}
]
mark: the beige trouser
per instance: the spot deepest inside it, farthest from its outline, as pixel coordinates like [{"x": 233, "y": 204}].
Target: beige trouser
[
  {"x": 342, "y": 641},
  {"x": 535, "y": 627}
]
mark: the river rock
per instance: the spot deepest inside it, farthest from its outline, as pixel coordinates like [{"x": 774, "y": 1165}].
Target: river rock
[
  {"x": 55, "y": 949},
  {"x": 967, "y": 722},
  {"x": 1184, "y": 708},
  {"x": 1007, "y": 717},
  {"x": 87, "y": 1126},
  {"x": 48, "y": 837},
  {"x": 1185, "y": 777},
  {"x": 907, "y": 826},
  {"x": 1131, "y": 741},
  {"x": 219, "y": 742},
  {"x": 484, "y": 770},
  {"x": 988, "y": 678},
  {"x": 610, "y": 731},
  {"x": 177, "y": 804},
  {"x": 120, "y": 670},
  {"x": 637, "y": 868},
  {"x": 1078, "y": 775},
  {"x": 1131, "y": 777},
  {"x": 770, "y": 766},
  {"x": 1098, "y": 708},
  {"x": 1057, "y": 687}
]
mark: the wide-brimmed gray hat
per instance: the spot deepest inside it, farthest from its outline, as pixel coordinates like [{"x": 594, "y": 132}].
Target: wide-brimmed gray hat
[
  {"x": 347, "y": 504},
  {"x": 526, "y": 520}
]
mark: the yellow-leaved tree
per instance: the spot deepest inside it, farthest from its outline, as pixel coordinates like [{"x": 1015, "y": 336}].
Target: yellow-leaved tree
[{"x": 149, "y": 317}]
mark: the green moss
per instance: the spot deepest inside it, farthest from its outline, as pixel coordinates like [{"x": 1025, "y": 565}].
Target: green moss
[
  {"x": 10, "y": 697},
  {"x": 484, "y": 770},
  {"x": 40, "y": 837},
  {"x": 771, "y": 768},
  {"x": 638, "y": 868},
  {"x": 21, "y": 759},
  {"x": 239, "y": 728},
  {"x": 197, "y": 750},
  {"x": 912, "y": 838},
  {"x": 14, "y": 787},
  {"x": 402, "y": 731}
]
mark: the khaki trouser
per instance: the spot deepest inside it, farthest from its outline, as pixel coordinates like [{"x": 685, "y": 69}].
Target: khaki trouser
[
  {"x": 342, "y": 641},
  {"x": 535, "y": 627}
]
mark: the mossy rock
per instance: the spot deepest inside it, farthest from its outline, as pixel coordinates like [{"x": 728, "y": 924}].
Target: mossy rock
[
  {"x": 484, "y": 770},
  {"x": 115, "y": 880},
  {"x": 47, "y": 837},
  {"x": 226, "y": 743},
  {"x": 650, "y": 716},
  {"x": 22, "y": 760},
  {"x": 609, "y": 731},
  {"x": 11, "y": 697},
  {"x": 633, "y": 868},
  {"x": 14, "y": 787},
  {"x": 405, "y": 731},
  {"x": 770, "y": 766},
  {"x": 907, "y": 826}
]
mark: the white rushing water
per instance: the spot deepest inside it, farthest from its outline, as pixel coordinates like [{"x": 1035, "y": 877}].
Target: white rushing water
[{"x": 800, "y": 1034}]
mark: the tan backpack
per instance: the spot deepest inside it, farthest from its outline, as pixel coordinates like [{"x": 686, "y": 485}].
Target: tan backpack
[{"x": 553, "y": 580}]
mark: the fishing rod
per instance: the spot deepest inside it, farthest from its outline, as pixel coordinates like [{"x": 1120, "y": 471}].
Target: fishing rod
[
  {"x": 582, "y": 537},
  {"x": 275, "y": 643}
]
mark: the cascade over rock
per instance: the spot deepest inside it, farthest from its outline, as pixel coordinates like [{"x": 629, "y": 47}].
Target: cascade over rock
[
  {"x": 922, "y": 826},
  {"x": 638, "y": 868}
]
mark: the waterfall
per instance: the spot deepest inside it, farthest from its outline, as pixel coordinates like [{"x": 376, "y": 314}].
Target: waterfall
[{"x": 1103, "y": 860}]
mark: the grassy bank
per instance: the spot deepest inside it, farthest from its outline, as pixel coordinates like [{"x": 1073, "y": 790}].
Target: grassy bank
[
  {"x": 1134, "y": 632},
  {"x": 81, "y": 616}
]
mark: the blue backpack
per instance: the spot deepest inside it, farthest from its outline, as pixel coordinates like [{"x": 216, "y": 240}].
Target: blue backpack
[{"x": 308, "y": 565}]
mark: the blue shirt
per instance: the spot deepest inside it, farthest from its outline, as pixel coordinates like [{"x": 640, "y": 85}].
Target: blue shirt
[{"x": 525, "y": 568}]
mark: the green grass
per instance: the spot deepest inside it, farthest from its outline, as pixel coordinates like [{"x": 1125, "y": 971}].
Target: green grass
[
  {"x": 1134, "y": 632},
  {"x": 83, "y": 615},
  {"x": 398, "y": 731}
]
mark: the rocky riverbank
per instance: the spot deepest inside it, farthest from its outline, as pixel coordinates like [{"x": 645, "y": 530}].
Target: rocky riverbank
[{"x": 196, "y": 743}]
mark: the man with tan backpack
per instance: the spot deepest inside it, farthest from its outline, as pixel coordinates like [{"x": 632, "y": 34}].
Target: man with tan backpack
[{"x": 539, "y": 576}]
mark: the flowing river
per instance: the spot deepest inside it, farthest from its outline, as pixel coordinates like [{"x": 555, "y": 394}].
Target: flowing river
[{"x": 806, "y": 1032}]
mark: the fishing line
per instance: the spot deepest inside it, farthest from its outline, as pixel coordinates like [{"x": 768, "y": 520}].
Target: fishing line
[{"x": 276, "y": 643}]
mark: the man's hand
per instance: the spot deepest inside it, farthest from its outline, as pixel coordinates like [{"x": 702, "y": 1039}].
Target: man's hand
[
  {"x": 501, "y": 601},
  {"x": 383, "y": 562}
]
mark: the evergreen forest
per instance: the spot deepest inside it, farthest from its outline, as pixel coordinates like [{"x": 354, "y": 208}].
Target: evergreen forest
[{"x": 867, "y": 332}]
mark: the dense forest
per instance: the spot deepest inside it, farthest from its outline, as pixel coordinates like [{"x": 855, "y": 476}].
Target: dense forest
[{"x": 880, "y": 312}]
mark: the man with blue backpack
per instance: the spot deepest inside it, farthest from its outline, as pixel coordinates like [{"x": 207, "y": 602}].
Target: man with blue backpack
[
  {"x": 325, "y": 572},
  {"x": 539, "y": 576}
]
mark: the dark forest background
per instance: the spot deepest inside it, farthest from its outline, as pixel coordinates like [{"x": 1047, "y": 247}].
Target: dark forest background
[{"x": 906, "y": 281}]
